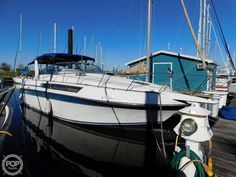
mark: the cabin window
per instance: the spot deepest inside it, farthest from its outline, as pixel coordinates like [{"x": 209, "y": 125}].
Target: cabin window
[
  {"x": 47, "y": 69},
  {"x": 234, "y": 80},
  {"x": 66, "y": 88}
]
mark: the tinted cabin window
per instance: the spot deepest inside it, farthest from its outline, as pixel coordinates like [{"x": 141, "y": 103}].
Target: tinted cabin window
[{"x": 63, "y": 87}]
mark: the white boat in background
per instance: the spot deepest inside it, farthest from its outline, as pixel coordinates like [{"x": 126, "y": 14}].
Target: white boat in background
[
  {"x": 226, "y": 81},
  {"x": 72, "y": 88},
  {"x": 232, "y": 85},
  {"x": 222, "y": 80}
]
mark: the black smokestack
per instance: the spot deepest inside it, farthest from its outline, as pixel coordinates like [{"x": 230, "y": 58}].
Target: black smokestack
[{"x": 70, "y": 41}]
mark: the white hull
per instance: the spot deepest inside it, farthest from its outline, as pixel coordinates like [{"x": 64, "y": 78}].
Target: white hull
[{"x": 86, "y": 112}]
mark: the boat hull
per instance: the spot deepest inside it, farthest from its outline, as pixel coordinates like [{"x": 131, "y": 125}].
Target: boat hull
[{"x": 83, "y": 111}]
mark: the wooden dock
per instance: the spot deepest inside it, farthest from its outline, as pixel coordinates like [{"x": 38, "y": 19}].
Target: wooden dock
[{"x": 224, "y": 148}]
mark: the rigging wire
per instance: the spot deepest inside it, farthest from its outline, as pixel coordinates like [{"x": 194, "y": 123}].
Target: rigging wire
[
  {"x": 217, "y": 41},
  {"x": 222, "y": 36}
]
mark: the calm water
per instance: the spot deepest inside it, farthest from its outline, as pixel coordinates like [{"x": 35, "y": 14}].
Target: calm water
[{"x": 50, "y": 147}]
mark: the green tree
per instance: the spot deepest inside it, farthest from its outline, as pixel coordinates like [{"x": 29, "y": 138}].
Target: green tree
[{"x": 5, "y": 66}]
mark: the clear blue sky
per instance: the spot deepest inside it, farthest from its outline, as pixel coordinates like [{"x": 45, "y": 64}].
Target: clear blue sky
[{"x": 120, "y": 26}]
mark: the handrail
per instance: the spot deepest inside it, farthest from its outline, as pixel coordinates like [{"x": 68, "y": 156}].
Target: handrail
[
  {"x": 63, "y": 76},
  {"x": 100, "y": 80},
  {"x": 130, "y": 84}
]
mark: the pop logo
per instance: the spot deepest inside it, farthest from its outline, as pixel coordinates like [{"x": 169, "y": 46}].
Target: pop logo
[{"x": 12, "y": 165}]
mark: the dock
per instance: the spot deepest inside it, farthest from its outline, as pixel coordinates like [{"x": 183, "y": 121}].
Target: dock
[{"x": 224, "y": 147}]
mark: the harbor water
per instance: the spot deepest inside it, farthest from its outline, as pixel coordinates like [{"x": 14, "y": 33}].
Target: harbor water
[{"x": 51, "y": 147}]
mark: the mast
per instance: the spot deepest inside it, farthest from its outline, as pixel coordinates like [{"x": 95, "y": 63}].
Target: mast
[
  {"x": 55, "y": 38},
  {"x": 101, "y": 58},
  {"x": 19, "y": 48},
  {"x": 96, "y": 55},
  {"x": 39, "y": 48},
  {"x": 204, "y": 29},
  {"x": 208, "y": 39},
  {"x": 148, "y": 38},
  {"x": 200, "y": 28},
  {"x": 20, "y": 38},
  {"x": 92, "y": 46},
  {"x": 84, "y": 44},
  {"x": 99, "y": 54}
]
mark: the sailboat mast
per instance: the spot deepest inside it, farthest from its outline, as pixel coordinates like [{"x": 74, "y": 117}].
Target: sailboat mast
[
  {"x": 148, "y": 38},
  {"x": 39, "y": 48},
  {"x": 204, "y": 28},
  {"x": 20, "y": 38},
  {"x": 55, "y": 38},
  {"x": 84, "y": 44},
  {"x": 208, "y": 35},
  {"x": 92, "y": 46},
  {"x": 200, "y": 28},
  {"x": 19, "y": 48}
]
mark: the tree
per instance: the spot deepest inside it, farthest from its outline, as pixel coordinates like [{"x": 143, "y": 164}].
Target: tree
[{"x": 5, "y": 66}]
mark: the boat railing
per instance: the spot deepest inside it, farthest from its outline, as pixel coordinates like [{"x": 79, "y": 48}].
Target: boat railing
[
  {"x": 162, "y": 88},
  {"x": 130, "y": 84},
  {"x": 101, "y": 80},
  {"x": 76, "y": 75}
]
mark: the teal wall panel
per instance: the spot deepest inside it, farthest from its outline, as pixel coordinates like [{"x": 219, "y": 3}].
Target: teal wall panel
[{"x": 184, "y": 74}]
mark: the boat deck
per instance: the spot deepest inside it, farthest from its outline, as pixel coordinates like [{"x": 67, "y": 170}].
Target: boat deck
[{"x": 224, "y": 147}]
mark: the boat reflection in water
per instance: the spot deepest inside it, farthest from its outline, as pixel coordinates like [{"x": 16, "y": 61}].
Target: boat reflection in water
[{"x": 93, "y": 150}]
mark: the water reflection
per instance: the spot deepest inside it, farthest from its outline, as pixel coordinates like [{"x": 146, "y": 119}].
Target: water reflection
[{"x": 93, "y": 150}]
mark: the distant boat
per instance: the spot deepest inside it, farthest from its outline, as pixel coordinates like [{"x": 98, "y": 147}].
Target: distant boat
[
  {"x": 74, "y": 89},
  {"x": 222, "y": 80}
]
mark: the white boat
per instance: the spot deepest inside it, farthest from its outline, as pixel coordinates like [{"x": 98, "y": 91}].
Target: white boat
[
  {"x": 72, "y": 88},
  {"x": 232, "y": 85},
  {"x": 222, "y": 80}
]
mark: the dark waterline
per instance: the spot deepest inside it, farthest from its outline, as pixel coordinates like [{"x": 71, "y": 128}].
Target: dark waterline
[{"x": 50, "y": 147}]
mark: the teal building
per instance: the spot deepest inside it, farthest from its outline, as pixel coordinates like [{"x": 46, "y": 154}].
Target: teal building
[{"x": 180, "y": 72}]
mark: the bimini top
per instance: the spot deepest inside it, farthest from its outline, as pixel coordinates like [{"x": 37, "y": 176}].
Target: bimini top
[{"x": 52, "y": 58}]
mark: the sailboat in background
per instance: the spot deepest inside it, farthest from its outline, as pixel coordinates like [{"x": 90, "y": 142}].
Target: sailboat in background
[{"x": 226, "y": 73}]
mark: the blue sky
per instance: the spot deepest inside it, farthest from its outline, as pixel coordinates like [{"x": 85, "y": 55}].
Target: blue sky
[{"x": 120, "y": 26}]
